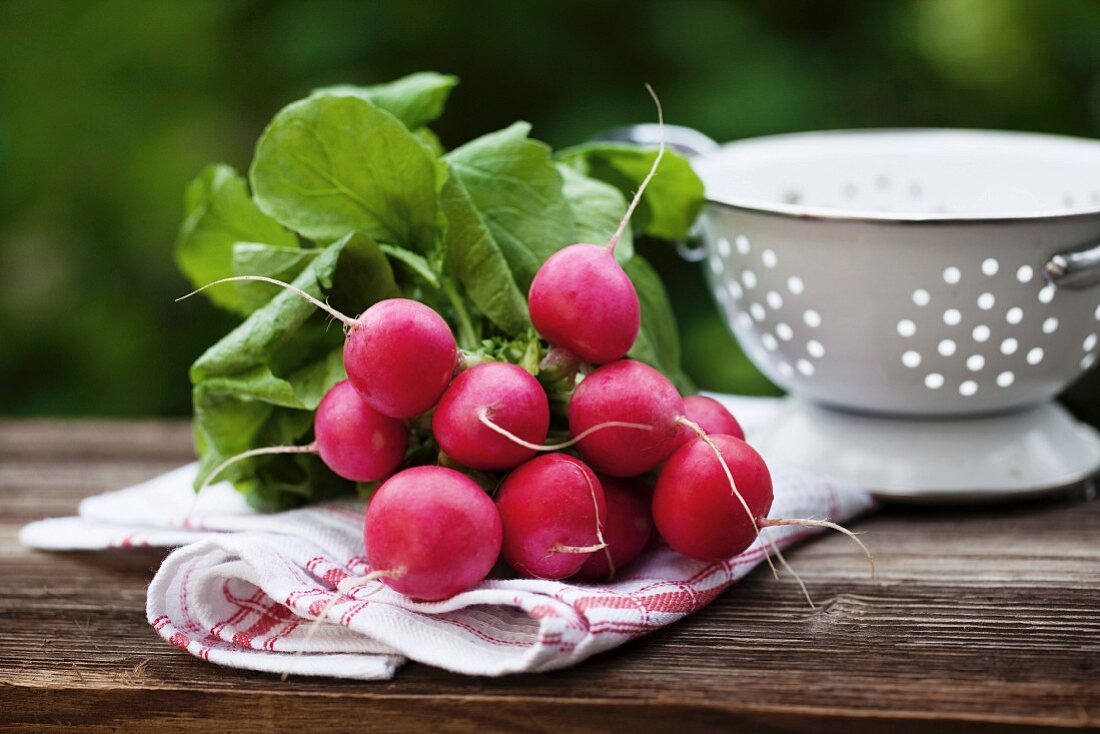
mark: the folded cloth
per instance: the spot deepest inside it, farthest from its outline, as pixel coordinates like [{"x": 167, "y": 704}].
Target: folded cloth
[{"x": 244, "y": 587}]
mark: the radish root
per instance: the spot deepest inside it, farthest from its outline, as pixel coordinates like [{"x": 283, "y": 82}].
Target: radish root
[
  {"x": 341, "y": 590},
  {"x": 600, "y": 544},
  {"x": 483, "y": 416},
  {"x": 262, "y": 451},
  {"x": 824, "y": 524},
  {"x": 645, "y": 182},
  {"x": 685, "y": 421},
  {"x": 344, "y": 319}
]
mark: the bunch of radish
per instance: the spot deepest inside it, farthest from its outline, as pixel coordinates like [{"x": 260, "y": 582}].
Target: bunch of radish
[{"x": 640, "y": 456}]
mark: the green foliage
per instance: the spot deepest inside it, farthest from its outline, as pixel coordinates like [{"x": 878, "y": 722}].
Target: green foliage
[
  {"x": 671, "y": 202},
  {"x": 517, "y": 189},
  {"x": 415, "y": 100},
  {"x": 218, "y": 214},
  {"x": 329, "y": 165}
]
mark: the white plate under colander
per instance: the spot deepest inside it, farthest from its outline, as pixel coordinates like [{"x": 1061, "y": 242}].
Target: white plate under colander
[{"x": 926, "y": 279}]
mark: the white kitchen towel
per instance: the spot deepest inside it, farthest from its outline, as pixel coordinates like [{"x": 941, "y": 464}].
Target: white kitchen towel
[{"x": 244, "y": 587}]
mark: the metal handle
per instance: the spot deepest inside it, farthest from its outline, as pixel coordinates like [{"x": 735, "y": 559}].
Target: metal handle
[
  {"x": 1074, "y": 269},
  {"x": 686, "y": 141}
]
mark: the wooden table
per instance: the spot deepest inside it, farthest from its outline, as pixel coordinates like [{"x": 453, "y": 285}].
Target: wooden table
[{"x": 980, "y": 620}]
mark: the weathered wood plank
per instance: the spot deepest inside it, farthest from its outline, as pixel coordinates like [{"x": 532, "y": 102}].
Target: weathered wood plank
[{"x": 979, "y": 620}]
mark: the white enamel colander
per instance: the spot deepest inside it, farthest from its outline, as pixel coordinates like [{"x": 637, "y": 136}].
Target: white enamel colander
[
  {"x": 939, "y": 275},
  {"x": 914, "y": 272}
]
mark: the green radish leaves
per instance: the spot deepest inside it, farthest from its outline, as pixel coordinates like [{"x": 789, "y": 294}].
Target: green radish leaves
[
  {"x": 330, "y": 165},
  {"x": 669, "y": 205},
  {"x": 473, "y": 256},
  {"x": 354, "y": 199},
  {"x": 658, "y": 342},
  {"x": 416, "y": 99},
  {"x": 518, "y": 191},
  {"x": 218, "y": 214}
]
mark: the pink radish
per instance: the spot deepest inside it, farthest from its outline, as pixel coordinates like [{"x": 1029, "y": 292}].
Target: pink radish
[
  {"x": 551, "y": 509},
  {"x": 399, "y": 354},
  {"x": 431, "y": 533},
  {"x": 630, "y": 392},
  {"x": 695, "y": 511},
  {"x": 354, "y": 440},
  {"x": 713, "y": 497},
  {"x": 711, "y": 416},
  {"x": 489, "y": 414},
  {"x": 581, "y": 299},
  {"x": 627, "y": 528}
]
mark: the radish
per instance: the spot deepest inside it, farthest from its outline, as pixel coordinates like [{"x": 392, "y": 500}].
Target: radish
[
  {"x": 695, "y": 511},
  {"x": 712, "y": 417},
  {"x": 629, "y": 392},
  {"x": 713, "y": 497},
  {"x": 353, "y": 439},
  {"x": 399, "y": 354},
  {"x": 431, "y": 533},
  {"x": 627, "y": 528},
  {"x": 581, "y": 299},
  {"x": 551, "y": 509},
  {"x": 490, "y": 415}
]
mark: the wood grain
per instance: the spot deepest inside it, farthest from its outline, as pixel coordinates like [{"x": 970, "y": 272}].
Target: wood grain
[{"x": 979, "y": 620}]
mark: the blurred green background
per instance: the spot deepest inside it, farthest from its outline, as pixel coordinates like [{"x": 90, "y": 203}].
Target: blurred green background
[{"x": 108, "y": 108}]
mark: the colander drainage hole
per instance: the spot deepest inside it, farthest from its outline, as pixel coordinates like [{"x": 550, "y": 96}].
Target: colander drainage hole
[
  {"x": 986, "y": 301},
  {"x": 905, "y": 327},
  {"x": 769, "y": 259},
  {"x": 1035, "y": 355},
  {"x": 1046, "y": 294},
  {"x": 1009, "y": 346},
  {"x": 1024, "y": 273},
  {"x": 975, "y": 362},
  {"x": 911, "y": 359},
  {"x": 796, "y": 286},
  {"x": 1089, "y": 343},
  {"x": 1005, "y": 379},
  {"x": 921, "y": 297},
  {"x": 723, "y": 247},
  {"x": 742, "y": 244},
  {"x": 980, "y": 333},
  {"x": 952, "y": 317},
  {"x": 1014, "y": 315},
  {"x": 968, "y": 388},
  {"x": 946, "y": 347},
  {"x": 1050, "y": 325},
  {"x": 813, "y": 319},
  {"x": 952, "y": 275},
  {"x": 933, "y": 381},
  {"x": 990, "y": 266}
]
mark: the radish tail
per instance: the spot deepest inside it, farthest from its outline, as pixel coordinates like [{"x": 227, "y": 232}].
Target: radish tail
[
  {"x": 645, "y": 182},
  {"x": 346, "y": 320}
]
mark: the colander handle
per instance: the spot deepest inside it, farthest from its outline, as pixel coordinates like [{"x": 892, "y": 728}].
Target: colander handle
[
  {"x": 686, "y": 141},
  {"x": 1074, "y": 269}
]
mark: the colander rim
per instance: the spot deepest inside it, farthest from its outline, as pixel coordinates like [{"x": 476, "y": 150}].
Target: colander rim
[{"x": 836, "y": 214}]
